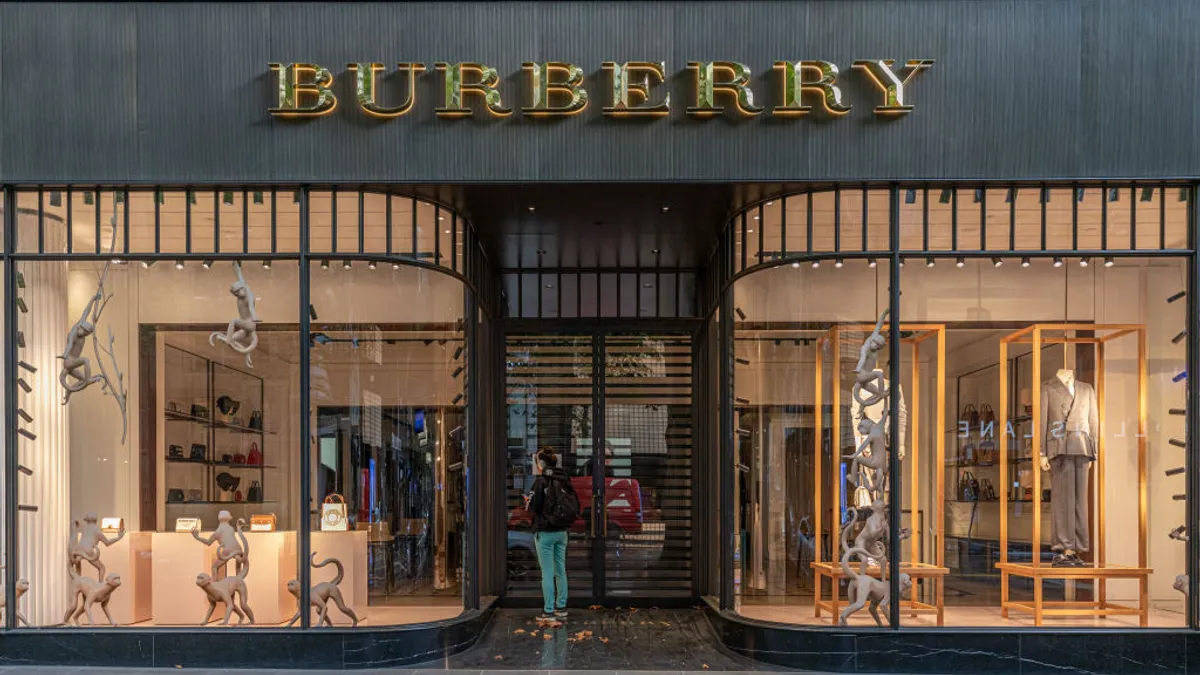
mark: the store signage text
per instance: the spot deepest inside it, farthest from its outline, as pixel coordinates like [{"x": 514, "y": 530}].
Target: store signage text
[{"x": 555, "y": 89}]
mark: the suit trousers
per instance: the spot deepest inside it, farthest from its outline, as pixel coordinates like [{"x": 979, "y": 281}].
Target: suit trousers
[{"x": 1069, "y": 502}]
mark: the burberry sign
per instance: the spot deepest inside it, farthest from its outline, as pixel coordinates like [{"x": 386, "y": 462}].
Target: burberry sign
[{"x": 635, "y": 89}]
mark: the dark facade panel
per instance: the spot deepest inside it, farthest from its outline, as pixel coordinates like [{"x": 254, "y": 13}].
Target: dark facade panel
[{"x": 179, "y": 92}]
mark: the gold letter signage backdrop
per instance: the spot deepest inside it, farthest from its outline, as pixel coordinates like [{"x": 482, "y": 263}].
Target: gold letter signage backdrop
[{"x": 556, "y": 88}]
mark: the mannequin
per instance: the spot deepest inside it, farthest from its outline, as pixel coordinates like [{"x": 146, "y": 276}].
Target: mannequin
[{"x": 1070, "y": 420}]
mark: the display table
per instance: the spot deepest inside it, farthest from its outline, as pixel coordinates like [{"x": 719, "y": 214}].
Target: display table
[
  {"x": 350, "y": 548},
  {"x": 917, "y": 572},
  {"x": 178, "y": 558},
  {"x": 1101, "y": 606},
  {"x": 131, "y": 558}
]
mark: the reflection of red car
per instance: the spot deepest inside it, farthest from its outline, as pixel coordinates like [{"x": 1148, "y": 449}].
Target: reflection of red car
[{"x": 624, "y": 510}]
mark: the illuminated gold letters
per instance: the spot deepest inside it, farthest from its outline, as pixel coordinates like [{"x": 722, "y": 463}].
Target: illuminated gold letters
[
  {"x": 296, "y": 82},
  {"x": 631, "y": 97},
  {"x": 457, "y": 89},
  {"x": 892, "y": 86},
  {"x": 795, "y": 86},
  {"x": 539, "y": 80},
  {"x": 707, "y": 88},
  {"x": 365, "y": 78},
  {"x": 557, "y": 88}
]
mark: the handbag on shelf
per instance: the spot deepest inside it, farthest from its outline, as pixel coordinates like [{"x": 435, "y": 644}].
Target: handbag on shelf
[
  {"x": 254, "y": 493},
  {"x": 333, "y": 514},
  {"x": 239, "y": 458},
  {"x": 970, "y": 415},
  {"x": 198, "y": 452},
  {"x": 987, "y": 417},
  {"x": 1025, "y": 482},
  {"x": 256, "y": 421},
  {"x": 987, "y": 492},
  {"x": 987, "y": 454},
  {"x": 862, "y": 497},
  {"x": 174, "y": 495},
  {"x": 262, "y": 522},
  {"x": 254, "y": 457},
  {"x": 968, "y": 487},
  {"x": 199, "y": 411},
  {"x": 175, "y": 452}
]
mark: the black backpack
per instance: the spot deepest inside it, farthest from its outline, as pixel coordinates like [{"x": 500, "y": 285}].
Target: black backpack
[{"x": 561, "y": 509}]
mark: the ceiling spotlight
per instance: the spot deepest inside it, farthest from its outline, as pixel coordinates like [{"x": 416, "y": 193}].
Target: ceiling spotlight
[
  {"x": 146, "y": 264},
  {"x": 960, "y": 262},
  {"x": 768, "y": 203},
  {"x": 749, "y": 231},
  {"x": 1109, "y": 262},
  {"x": 118, "y": 261},
  {"x": 1083, "y": 262},
  {"x": 372, "y": 265},
  {"x": 665, "y": 209},
  {"x": 996, "y": 262},
  {"x": 207, "y": 264},
  {"x": 838, "y": 263},
  {"x": 902, "y": 262},
  {"x": 871, "y": 262},
  {"x": 395, "y": 265},
  {"x": 1025, "y": 262},
  {"x": 266, "y": 264},
  {"x": 1058, "y": 261},
  {"x": 796, "y": 265},
  {"x": 531, "y": 208},
  {"x": 178, "y": 264},
  {"x": 346, "y": 264},
  {"x": 324, "y": 264},
  {"x": 816, "y": 264},
  {"x": 930, "y": 262},
  {"x": 441, "y": 217}
]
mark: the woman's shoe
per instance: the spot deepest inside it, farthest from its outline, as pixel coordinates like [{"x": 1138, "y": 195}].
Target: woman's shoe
[{"x": 560, "y": 613}]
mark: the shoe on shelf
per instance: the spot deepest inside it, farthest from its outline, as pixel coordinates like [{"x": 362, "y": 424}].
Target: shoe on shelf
[
  {"x": 1061, "y": 560},
  {"x": 560, "y": 613},
  {"x": 1076, "y": 561}
]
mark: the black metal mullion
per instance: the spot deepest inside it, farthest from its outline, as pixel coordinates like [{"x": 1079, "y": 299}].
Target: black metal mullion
[
  {"x": 599, "y": 437},
  {"x": 743, "y": 236},
  {"x": 414, "y": 232},
  {"x": 98, "y": 234},
  {"x": 925, "y": 218},
  {"x": 71, "y": 224},
  {"x": 437, "y": 245},
  {"x": 333, "y": 214},
  {"x": 126, "y": 218},
  {"x": 11, "y": 456},
  {"x": 837, "y": 219},
  {"x": 1133, "y": 201},
  {"x": 41, "y": 221},
  {"x": 1075, "y": 217},
  {"x": 726, "y": 450},
  {"x": 274, "y": 222},
  {"x": 187, "y": 221},
  {"x": 983, "y": 219},
  {"x": 387, "y": 224},
  {"x": 1162, "y": 216},
  {"x": 808, "y": 215},
  {"x": 782, "y": 228},
  {"x": 1104, "y": 217},
  {"x": 895, "y": 499},
  {"x": 245, "y": 221},
  {"x": 1046, "y": 198},
  {"x": 954, "y": 218},
  {"x": 157, "y": 222},
  {"x": 362, "y": 222},
  {"x": 216, "y": 221},
  {"x": 454, "y": 244},
  {"x": 304, "y": 573},
  {"x": 1192, "y": 409},
  {"x": 1012, "y": 219}
]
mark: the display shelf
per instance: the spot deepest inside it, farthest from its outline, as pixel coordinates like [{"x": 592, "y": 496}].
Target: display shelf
[
  {"x": 207, "y": 462},
  {"x": 192, "y": 381}
]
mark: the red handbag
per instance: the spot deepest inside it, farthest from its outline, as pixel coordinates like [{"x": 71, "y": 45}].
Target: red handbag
[
  {"x": 255, "y": 457},
  {"x": 239, "y": 458}
]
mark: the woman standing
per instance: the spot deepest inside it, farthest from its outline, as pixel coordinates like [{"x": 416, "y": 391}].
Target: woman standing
[{"x": 554, "y": 506}]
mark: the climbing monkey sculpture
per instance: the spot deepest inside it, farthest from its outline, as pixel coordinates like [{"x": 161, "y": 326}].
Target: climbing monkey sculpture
[
  {"x": 76, "y": 374},
  {"x": 242, "y": 333},
  {"x": 867, "y": 375},
  {"x": 228, "y": 547},
  {"x": 230, "y": 590},
  {"x": 86, "y": 592},
  {"x": 85, "y": 544}
]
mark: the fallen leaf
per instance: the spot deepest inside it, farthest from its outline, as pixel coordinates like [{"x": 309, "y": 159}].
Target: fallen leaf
[
  {"x": 595, "y": 607},
  {"x": 547, "y": 636},
  {"x": 519, "y": 631},
  {"x": 633, "y": 610},
  {"x": 704, "y": 666},
  {"x": 604, "y": 640},
  {"x": 499, "y": 658},
  {"x": 666, "y": 623}
]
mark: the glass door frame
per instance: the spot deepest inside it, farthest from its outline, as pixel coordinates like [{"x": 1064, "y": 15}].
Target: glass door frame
[{"x": 597, "y": 330}]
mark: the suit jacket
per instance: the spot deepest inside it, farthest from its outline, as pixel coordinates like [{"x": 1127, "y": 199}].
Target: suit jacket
[{"x": 1070, "y": 424}]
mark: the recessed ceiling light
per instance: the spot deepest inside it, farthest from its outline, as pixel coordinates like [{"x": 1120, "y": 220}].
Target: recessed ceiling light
[
  {"x": 1083, "y": 262},
  {"x": 996, "y": 262},
  {"x": 346, "y": 264},
  {"x": 930, "y": 262},
  {"x": 653, "y": 251},
  {"x": 871, "y": 262},
  {"x": 749, "y": 231},
  {"x": 371, "y": 265},
  {"x": 816, "y": 264},
  {"x": 441, "y": 217},
  {"x": 207, "y": 264},
  {"x": 147, "y": 263},
  {"x": 395, "y": 265},
  {"x": 1109, "y": 262},
  {"x": 531, "y": 208},
  {"x": 756, "y": 217},
  {"x": 1025, "y": 262},
  {"x": 769, "y": 203},
  {"x": 324, "y": 264},
  {"x": 266, "y": 264},
  {"x": 1058, "y": 262},
  {"x": 961, "y": 262},
  {"x": 838, "y": 263},
  {"x": 796, "y": 265},
  {"x": 666, "y": 208},
  {"x": 178, "y": 264},
  {"x": 446, "y": 231}
]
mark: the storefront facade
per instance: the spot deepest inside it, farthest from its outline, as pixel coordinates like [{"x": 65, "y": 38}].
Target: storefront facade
[{"x": 820, "y": 303}]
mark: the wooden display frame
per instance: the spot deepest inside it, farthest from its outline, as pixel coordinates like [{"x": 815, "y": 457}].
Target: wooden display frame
[
  {"x": 916, "y": 568},
  {"x": 1101, "y": 572}
]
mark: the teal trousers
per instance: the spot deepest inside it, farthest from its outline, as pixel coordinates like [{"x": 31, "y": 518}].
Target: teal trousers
[{"x": 552, "y": 558}]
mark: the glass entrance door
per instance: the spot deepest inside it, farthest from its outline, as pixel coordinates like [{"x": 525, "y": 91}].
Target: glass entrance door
[{"x": 625, "y": 440}]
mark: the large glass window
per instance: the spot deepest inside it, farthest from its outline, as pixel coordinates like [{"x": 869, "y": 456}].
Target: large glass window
[
  {"x": 157, "y": 406},
  {"x": 388, "y": 411}
]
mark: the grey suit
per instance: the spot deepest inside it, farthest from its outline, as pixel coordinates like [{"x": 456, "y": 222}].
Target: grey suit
[{"x": 1070, "y": 429}]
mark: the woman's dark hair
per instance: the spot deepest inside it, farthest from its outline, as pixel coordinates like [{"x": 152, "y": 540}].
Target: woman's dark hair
[{"x": 546, "y": 456}]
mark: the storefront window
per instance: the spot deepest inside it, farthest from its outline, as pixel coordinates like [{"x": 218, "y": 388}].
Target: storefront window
[
  {"x": 803, "y": 505},
  {"x": 388, "y": 411},
  {"x": 155, "y": 434}
]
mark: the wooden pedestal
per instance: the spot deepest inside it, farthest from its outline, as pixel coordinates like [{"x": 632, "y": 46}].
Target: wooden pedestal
[
  {"x": 1100, "y": 606},
  {"x": 918, "y": 572}
]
